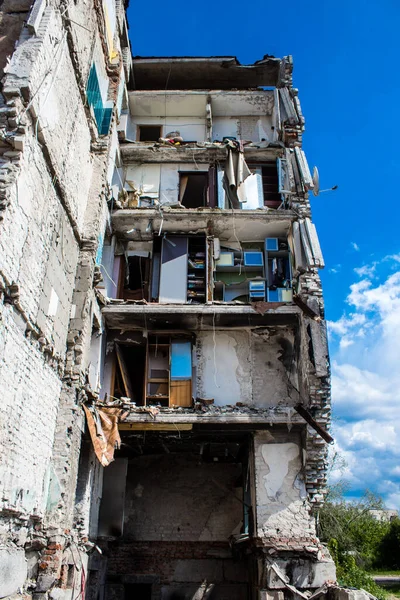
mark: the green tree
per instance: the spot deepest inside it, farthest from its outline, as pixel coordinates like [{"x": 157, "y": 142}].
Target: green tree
[
  {"x": 390, "y": 546},
  {"x": 356, "y": 531}
]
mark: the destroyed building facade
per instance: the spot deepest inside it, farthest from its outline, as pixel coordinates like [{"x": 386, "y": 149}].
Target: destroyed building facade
[{"x": 164, "y": 352}]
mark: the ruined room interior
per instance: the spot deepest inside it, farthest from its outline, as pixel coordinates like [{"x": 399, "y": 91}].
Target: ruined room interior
[{"x": 183, "y": 510}]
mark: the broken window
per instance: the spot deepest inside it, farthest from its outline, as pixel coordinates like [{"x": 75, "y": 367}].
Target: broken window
[
  {"x": 158, "y": 372},
  {"x": 101, "y": 110},
  {"x": 149, "y": 133},
  {"x": 193, "y": 189}
]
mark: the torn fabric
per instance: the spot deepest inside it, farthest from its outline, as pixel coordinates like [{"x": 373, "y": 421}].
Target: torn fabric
[
  {"x": 236, "y": 172},
  {"x": 103, "y": 429}
]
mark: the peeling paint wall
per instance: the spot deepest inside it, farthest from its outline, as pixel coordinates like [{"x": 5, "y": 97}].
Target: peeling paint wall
[
  {"x": 30, "y": 411},
  {"x": 281, "y": 506},
  {"x": 246, "y": 367}
]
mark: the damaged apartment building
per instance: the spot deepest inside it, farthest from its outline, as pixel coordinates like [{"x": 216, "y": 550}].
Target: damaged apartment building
[{"x": 165, "y": 369}]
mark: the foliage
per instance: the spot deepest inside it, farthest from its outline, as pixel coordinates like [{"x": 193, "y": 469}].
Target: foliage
[
  {"x": 354, "y": 528},
  {"x": 349, "y": 574},
  {"x": 390, "y": 546},
  {"x": 355, "y": 538}
]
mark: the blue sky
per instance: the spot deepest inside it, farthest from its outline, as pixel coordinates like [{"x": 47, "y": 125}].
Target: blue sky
[{"x": 346, "y": 57}]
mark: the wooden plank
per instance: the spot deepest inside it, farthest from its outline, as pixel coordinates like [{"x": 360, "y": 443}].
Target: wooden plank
[
  {"x": 180, "y": 393},
  {"x": 155, "y": 426},
  {"x": 124, "y": 372}
]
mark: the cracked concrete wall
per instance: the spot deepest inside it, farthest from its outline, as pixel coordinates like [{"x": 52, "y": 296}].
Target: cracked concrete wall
[
  {"x": 281, "y": 506},
  {"x": 262, "y": 364}
]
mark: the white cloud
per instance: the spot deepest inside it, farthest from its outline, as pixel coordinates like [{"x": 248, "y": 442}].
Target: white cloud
[
  {"x": 346, "y": 342},
  {"x": 355, "y": 246},
  {"x": 335, "y": 269},
  {"x": 366, "y": 383},
  {"x": 393, "y": 500},
  {"x": 395, "y": 257},
  {"x": 366, "y": 270},
  {"x": 346, "y": 323}
]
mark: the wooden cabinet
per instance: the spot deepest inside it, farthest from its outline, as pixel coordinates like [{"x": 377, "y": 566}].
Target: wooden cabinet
[{"x": 168, "y": 372}]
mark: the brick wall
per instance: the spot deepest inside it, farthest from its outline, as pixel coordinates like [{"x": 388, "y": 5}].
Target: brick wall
[
  {"x": 179, "y": 497},
  {"x": 176, "y": 570}
]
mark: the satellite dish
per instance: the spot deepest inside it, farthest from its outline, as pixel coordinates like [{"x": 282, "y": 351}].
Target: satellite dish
[
  {"x": 316, "y": 190},
  {"x": 315, "y": 179}
]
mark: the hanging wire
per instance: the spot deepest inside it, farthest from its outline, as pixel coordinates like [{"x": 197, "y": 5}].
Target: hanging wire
[{"x": 215, "y": 353}]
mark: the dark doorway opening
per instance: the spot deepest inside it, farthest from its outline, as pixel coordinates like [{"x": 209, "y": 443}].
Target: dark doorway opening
[
  {"x": 193, "y": 189},
  {"x": 149, "y": 133},
  {"x": 137, "y": 591},
  {"x": 135, "y": 277},
  {"x": 272, "y": 197},
  {"x": 129, "y": 375}
]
